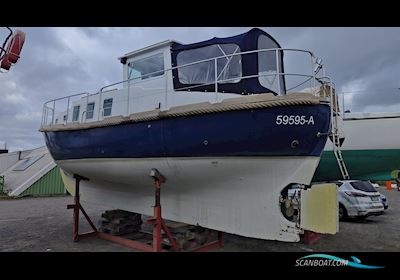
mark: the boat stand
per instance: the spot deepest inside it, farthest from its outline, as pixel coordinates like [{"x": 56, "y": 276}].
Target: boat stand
[{"x": 157, "y": 221}]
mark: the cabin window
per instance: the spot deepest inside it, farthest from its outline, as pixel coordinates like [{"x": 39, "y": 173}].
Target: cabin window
[
  {"x": 90, "y": 110},
  {"x": 229, "y": 68},
  {"x": 75, "y": 114},
  {"x": 107, "y": 105},
  {"x": 145, "y": 68},
  {"x": 268, "y": 67}
]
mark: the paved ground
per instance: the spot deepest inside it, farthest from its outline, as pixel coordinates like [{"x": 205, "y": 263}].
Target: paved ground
[{"x": 44, "y": 224}]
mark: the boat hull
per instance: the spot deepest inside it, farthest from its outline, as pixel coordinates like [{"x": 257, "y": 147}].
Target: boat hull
[
  {"x": 375, "y": 165},
  {"x": 225, "y": 171},
  {"x": 238, "y": 195},
  {"x": 232, "y": 133},
  {"x": 371, "y": 150}
]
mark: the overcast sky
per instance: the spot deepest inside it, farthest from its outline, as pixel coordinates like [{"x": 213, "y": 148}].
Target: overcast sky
[{"x": 56, "y": 62}]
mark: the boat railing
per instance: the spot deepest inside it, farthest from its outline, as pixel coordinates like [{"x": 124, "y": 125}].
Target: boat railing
[
  {"x": 315, "y": 62},
  {"x": 50, "y": 116}
]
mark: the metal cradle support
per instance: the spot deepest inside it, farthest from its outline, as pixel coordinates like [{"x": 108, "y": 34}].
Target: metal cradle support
[
  {"x": 77, "y": 206},
  {"x": 157, "y": 221}
]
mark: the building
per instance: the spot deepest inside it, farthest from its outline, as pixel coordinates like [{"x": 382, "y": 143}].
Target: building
[{"x": 30, "y": 172}]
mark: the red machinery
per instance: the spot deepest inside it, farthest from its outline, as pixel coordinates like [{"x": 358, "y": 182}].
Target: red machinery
[{"x": 9, "y": 55}]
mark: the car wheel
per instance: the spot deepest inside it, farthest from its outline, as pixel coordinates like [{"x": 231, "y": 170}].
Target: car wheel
[{"x": 342, "y": 212}]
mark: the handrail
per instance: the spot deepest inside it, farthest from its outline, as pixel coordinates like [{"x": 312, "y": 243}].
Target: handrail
[
  {"x": 206, "y": 60},
  {"x": 185, "y": 65},
  {"x": 247, "y": 77},
  {"x": 49, "y": 106},
  {"x": 83, "y": 113},
  {"x": 73, "y": 95}
]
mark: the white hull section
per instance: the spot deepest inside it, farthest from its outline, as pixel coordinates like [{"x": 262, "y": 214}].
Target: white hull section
[
  {"x": 379, "y": 133},
  {"x": 238, "y": 195}
]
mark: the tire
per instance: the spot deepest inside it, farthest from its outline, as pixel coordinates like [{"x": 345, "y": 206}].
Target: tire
[{"x": 342, "y": 212}]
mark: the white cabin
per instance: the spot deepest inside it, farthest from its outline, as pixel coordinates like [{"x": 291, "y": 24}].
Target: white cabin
[{"x": 169, "y": 74}]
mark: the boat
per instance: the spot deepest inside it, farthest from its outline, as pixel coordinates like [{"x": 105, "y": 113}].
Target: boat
[
  {"x": 370, "y": 148},
  {"x": 216, "y": 118}
]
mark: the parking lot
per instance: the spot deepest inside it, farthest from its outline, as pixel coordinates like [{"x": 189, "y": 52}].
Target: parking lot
[{"x": 44, "y": 224}]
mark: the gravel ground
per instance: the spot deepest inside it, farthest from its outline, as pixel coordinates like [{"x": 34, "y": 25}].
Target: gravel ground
[{"x": 44, "y": 224}]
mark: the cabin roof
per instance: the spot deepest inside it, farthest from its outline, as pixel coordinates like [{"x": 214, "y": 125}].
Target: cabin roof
[{"x": 147, "y": 49}]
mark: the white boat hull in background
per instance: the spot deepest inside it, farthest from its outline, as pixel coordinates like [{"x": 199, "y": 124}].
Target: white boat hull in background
[
  {"x": 371, "y": 149},
  {"x": 375, "y": 131}
]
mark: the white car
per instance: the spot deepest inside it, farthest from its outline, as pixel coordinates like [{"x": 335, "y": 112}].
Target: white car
[
  {"x": 384, "y": 201},
  {"x": 358, "y": 199}
]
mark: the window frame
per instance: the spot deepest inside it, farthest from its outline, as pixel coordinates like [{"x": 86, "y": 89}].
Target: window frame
[
  {"x": 162, "y": 72},
  {"x": 104, "y": 108},
  {"x": 92, "y": 111},
  {"x": 77, "y": 115},
  {"x": 363, "y": 186},
  {"x": 278, "y": 64},
  {"x": 211, "y": 60}
]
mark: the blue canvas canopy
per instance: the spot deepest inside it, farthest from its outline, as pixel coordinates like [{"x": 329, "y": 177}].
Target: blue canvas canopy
[{"x": 230, "y": 69}]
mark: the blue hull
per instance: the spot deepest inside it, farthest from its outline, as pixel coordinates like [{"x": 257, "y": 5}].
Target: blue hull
[{"x": 232, "y": 133}]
